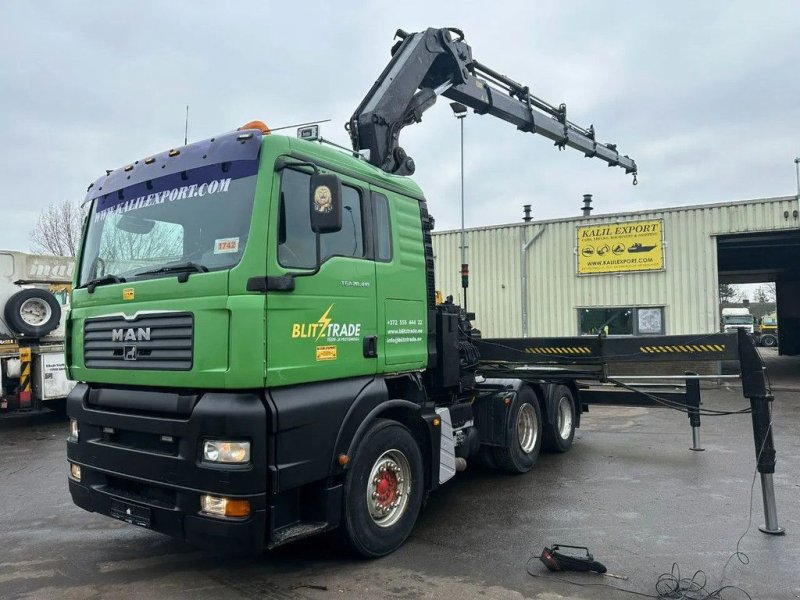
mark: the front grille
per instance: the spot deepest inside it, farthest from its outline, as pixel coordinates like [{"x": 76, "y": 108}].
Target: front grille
[
  {"x": 140, "y": 492},
  {"x": 155, "y": 341},
  {"x": 137, "y": 440}
]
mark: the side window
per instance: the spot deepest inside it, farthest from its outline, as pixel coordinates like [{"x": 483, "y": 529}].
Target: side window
[
  {"x": 349, "y": 241},
  {"x": 296, "y": 241},
  {"x": 383, "y": 231},
  {"x": 295, "y": 238}
]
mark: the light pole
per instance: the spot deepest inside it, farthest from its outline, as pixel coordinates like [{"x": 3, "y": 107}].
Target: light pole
[
  {"x": 797, "y": 169},
  {"x": 460, "y": 111}
]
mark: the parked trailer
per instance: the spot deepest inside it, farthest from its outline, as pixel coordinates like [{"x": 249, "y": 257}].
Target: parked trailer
[{"x": 34, "y": 297}]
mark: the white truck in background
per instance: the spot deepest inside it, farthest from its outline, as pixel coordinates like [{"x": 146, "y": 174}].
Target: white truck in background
[
  {"x": 34, "y": 299},
  {"x": 737, "y": 318}
]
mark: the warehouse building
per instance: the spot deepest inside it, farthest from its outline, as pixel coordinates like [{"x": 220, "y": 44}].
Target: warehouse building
[{"x": 639, "y": 273}]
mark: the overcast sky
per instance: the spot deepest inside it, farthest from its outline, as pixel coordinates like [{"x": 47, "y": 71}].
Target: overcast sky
[{"x": 704, "y": 96}]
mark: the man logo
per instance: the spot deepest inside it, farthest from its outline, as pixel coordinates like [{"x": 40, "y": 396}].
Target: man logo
[
  {"x": 130, "y": 353},
  {"x": 131, "y": 334}
]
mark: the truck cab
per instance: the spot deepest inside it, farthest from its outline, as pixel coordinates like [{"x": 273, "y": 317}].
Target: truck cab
[
  {"x": 768, "y": 331},
  {"x": 230, "y": 343},
  {"x": 734, "y": 319}
]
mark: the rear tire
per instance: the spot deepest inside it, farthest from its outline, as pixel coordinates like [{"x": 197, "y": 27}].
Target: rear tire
[
  {"x": 524, "y": 434},
  {"x": 383, "y": 490},
  {"x": 559, "y": 433},
  {"x": 769, "y": 341}
]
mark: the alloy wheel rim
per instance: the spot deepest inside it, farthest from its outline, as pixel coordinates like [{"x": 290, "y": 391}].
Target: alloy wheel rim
[
  {"x": 35, "y": 312},
  {"x": 388, "y": 488},
  {"x": 527, "y": 428},
  {"x": 564, "y": 417}
]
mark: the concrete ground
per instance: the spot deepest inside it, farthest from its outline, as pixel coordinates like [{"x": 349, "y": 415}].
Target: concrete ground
[{"x": 629, "y": 489}]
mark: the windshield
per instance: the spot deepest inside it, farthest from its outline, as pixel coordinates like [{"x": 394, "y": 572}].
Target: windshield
[
  {"x": 201, "y": 216},
  {"x": 738, "y": 320}
]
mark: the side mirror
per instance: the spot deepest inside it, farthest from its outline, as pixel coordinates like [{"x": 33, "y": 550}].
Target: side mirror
[{"x": 326, "y": 203}]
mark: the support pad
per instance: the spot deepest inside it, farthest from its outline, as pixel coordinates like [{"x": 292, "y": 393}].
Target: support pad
[
  {"x": 770, "y": 510},
  {"x": 696, "y": 447}
]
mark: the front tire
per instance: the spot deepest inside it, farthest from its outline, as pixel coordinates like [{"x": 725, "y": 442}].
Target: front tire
[
  {"x": 524, "y": 434},
  {"x": 383, "y": 490}
]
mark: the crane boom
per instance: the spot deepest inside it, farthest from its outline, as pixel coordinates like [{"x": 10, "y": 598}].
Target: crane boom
[{"x": 430, "y": 63}]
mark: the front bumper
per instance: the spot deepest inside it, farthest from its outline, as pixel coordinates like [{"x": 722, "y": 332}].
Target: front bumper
[{"x": 142, "y": 449}]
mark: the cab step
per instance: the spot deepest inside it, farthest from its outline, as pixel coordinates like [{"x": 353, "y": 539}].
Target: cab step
[{"x": 296, "y": 532}]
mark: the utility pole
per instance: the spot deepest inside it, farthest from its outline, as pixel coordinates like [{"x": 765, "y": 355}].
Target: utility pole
[{"x": 460, "y": 111}]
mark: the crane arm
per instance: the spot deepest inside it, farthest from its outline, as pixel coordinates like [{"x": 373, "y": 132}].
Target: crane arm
[{"x": 431, "y": 63}]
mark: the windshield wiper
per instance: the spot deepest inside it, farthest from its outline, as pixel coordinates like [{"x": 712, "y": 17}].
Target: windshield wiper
[
  {"x": 104, "y": 280},
  {"x": 183, "y": 269}
]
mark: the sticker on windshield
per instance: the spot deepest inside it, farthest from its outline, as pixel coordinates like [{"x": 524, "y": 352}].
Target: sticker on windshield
[{"x": 226, "y": 245}]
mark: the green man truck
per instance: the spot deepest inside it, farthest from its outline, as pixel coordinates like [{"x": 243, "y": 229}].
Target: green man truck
[{"x": 256, "y": 334}]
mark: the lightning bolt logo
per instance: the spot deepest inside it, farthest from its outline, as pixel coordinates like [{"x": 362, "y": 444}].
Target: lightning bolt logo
[{"x": 324, "y": 320}]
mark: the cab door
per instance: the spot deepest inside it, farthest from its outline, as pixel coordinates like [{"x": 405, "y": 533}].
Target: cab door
[
  {"x": 325, "y": 328},
  {"x": 401, "y": 281}
]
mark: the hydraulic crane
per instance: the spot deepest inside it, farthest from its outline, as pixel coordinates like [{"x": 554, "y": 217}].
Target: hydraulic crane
[{"x": 431, "y": 63}]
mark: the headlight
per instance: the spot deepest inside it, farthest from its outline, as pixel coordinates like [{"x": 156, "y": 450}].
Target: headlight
[
  {"x": 226, "y": 452},
  {"x": 74, "y": 430},
  {"x": 75, "y": 471}
]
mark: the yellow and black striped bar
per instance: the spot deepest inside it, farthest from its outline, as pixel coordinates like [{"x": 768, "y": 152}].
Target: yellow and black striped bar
[
  {"x": 25, "y": 377},
  {"x": 596, "y": 350},
  {"x": 687, "y": 348}
]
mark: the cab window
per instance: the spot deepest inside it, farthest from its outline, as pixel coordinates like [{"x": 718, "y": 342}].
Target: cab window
[
  {"x": 382, "y": 228},
  {"x": 296, "y": 240}
]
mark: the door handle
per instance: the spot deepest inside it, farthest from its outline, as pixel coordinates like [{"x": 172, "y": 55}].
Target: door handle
[
  {"x": 371, "y": 346},
  {"x": 268, "y": 283}
]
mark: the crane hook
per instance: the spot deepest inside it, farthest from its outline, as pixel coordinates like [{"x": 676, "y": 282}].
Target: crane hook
[{"x": 635, "y": 181}]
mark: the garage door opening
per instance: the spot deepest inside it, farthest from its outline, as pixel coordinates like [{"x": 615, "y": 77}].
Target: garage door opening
[{"x": 767, "y": 257}]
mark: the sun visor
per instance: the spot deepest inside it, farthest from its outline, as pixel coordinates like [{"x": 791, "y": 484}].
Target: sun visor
[{"x": 228, "y": 147}]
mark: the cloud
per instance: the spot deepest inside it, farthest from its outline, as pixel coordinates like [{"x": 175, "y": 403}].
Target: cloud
[{"x": 703, "y": 96}]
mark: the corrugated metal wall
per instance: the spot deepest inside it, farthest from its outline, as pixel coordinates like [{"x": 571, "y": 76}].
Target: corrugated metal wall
[{"x": 687, "y": 288}]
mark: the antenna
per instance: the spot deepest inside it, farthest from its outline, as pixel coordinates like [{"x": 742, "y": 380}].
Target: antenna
[{"x": 186, "y": 127}]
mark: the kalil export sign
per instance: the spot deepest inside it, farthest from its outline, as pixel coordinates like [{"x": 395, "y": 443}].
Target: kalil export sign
[{"x": 621, "y": 247}]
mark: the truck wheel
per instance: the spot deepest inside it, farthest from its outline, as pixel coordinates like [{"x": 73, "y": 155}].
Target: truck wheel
[
  {"x": 524, "y": 434},
  {"x": 383, "y": 490},
  {"x": 33, "y": 312},
  {"x": 559, "y": 433},
  {"x": 769, "y": 341}
]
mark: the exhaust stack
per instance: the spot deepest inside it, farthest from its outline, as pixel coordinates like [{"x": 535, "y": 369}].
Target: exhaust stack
[
  {"x": 587, "y": 205},
  {"x": 526, "y": 208}
]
